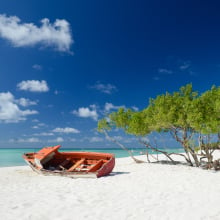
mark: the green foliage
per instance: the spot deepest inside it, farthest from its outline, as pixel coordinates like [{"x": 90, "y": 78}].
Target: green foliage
[
  {"x": 206, "y": 115},
  {"x": 171, "y": 110},
  {"x": 182, "y": 113},
  {"x": 184, "y": 110},
  {"x": 130, "y": 121},
  {"x": 103, "y": 124}
]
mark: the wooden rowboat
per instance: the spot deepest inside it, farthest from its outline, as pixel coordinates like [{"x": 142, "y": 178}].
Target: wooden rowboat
[{"x": 49, "y": 161}]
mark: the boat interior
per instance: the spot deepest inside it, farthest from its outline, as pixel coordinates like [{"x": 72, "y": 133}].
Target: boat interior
[{"x": 70, "y": 162}]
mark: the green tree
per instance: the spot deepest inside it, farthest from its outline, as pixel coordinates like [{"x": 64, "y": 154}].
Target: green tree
[
  {"x": 184, "y": 114},
  {"x": 206, "y": 121}
]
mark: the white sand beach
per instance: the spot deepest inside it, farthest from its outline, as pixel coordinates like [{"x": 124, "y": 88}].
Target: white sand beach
[{"x": 132, "y": 191}]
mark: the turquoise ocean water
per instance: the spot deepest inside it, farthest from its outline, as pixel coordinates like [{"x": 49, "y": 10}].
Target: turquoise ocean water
[{"x": 13, "y": 156}]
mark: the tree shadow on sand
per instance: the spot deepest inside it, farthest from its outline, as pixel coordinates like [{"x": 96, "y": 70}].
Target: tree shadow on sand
[{"x": 170, "y": 162}]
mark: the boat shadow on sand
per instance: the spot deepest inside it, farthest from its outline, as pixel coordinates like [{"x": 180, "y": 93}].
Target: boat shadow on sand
[{"x": 116, "y": 173}]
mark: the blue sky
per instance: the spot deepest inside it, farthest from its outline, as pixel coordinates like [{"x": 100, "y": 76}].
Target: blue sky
[{"x": 65, "y": 64}]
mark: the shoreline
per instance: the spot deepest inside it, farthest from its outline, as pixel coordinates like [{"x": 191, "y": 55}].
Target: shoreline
[
  {"x": 13, "y": 157},
  {"x": 132, "y": 191}
]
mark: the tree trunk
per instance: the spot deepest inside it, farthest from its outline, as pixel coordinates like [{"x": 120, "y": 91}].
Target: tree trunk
[
  {"x": 188, "y": 156},
  {"x": 174, "y": 133}
]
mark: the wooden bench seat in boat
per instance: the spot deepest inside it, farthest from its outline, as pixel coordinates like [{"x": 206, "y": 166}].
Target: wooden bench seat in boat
[
  {"x": 96, "y": 166},
  {"x": 78, "y": 163}
]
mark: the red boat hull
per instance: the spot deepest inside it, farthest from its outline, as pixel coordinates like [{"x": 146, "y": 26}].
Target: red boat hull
[{"x": 48, "y": 161}]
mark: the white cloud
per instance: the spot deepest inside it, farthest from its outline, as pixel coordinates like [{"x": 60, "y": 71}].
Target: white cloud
[
  {"x": 72, "y": 139},
  {"x": 122, "y": 139},
  {"x": 44, "y": 134},
  {"x": 66, "y": 130},
  {"x": 33, "y": 86},
  {"x": 86, "y": 113},
  {"x": 35, "y": 127},
  {"x": 118, "y": 138},
  {"x": 135, "y": 108},
  {"x": 10, "y": 111},
  {"x": 93, "y": 106},
  {"x": 37, "y": 67},
  {"x": 58, "y": 139},
  {"x": 39, "y": 125},
  {"x": 35, "y": 120},
  {"x": 110, "y": 106},
  {"x": 56, "y": 35},
  {"x": 104, "y": 88},
  {"x": 165, "y": 71},
  {"x": 185, "y": 65},
  {"x": 28, "y": 140},
  {"x": 145, "y": 139},
  {"x": 25, "y": 102},
  {"x": 56, "y": 92},
  {"x": 96, "y": 139}
]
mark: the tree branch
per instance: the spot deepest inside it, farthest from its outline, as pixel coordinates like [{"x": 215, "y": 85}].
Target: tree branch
[
  {"x": 123, "y": 147},
  {"x": 157, "y": 150}
]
